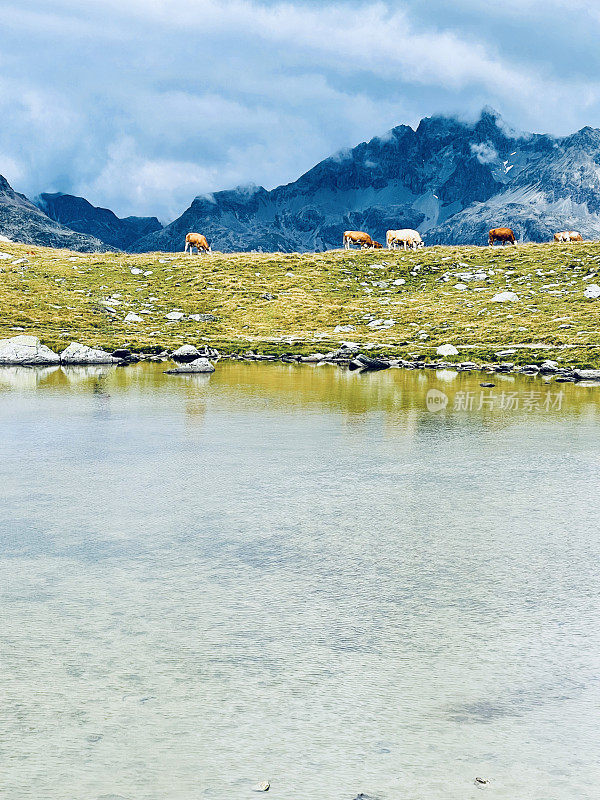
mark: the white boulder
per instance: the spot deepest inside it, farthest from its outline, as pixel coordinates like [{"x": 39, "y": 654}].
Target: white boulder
[
  {"x": 131, "y": 317},
  {"x": 198, "y": 365},
  {"x": 26, "y": 350},
  {"x": 447, "y": 350},
  {"x": 186, "y": 353},
  {"x": 592, "y": 292},
  {"x": 77, "y": 353},
  {"x": 505, "y": 297}
]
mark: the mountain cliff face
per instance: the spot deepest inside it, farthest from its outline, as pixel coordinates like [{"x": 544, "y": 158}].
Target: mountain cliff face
[
  {"x": 450, "y": 180},
  {"x": 80, "y": 215},
  {"x": 22, "y": 221}
]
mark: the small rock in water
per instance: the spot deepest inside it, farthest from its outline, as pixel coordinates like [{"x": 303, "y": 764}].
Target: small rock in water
[
  {"x": 487, "y": 385},
  {"x": 263, "y": 786},
  {"x": 198, "y": 365},
  {"x": 481, "y": 782}
]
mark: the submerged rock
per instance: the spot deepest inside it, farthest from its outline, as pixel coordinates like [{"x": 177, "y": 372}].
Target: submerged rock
[
  {"x": 77, "y": 353},
  {"x": 26, "y": 350},
  {"x": 198, "y": 365},
  {"x": 263, "y": 786}
]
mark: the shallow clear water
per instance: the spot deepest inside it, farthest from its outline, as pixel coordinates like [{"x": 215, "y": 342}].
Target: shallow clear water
[{"x": 297, "y": 574}]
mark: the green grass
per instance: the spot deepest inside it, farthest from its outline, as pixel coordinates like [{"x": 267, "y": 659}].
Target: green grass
[{"x": 57, "y": 295}]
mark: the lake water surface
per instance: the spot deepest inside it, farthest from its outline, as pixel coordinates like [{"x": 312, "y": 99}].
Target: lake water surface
[{"x": 298, "y": 574}]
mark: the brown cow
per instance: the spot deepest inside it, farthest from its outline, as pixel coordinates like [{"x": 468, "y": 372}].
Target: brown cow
[
  {"x": 503, "y": 235},
  {"x": 198, "y": 241},
  {"x": 359, "y": 237}
]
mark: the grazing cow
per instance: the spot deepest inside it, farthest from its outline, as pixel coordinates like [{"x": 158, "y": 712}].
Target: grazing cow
[
  {"x": 503, "y": 235},
  {"x": 568, "y": 236},
  {"x": 198, "y": 241},
  {"x": 406, "y": 237},
  {"x": 359, "y": 237}
]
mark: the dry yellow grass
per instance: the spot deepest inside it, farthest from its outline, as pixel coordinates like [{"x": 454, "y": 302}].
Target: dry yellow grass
[{"x": 62, "y": 296}]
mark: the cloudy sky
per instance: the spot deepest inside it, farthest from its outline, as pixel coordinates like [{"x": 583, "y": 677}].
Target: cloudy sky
[{"x": 140, "y": 105}]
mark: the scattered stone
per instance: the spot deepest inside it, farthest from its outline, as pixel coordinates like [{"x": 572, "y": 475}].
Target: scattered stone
[
  {"x": 505, "y": 297},
  {"x": 4, "y": 256},
  {"x": 148, "y": 272},
  {"x": 313, "y": 358},
  {"x": 481, "y": 782},
  {"x": 587, "y": 374},
  {"x": 365, "y": 363},
  {"x": 21, "y": 261},
  {"x": 267, "y": 296},
  {"x": 26, "y": 350},
  {"x": 186, "y": 354},
  {"x": 136, "y": 271},
  {"x": 447, "y": 350},
  {"x": 202, "y": 317},
  {"x": 592, "y": 292},
  {"x": 174, "y": 315},
  {"x": 77, "y": 353},
  {"x": 504, "y": 353},
  {"x": 263, "y": 786},
  {"x": 201, "y": 364},
  {"x": 548, "y": 367},
  {"x": 344, "y": 329},
  {"x": 131, "y": 317},
  {"x": 399, "y": 282}
]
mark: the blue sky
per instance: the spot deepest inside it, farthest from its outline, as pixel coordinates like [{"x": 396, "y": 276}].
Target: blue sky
[{"x": 140, "y": 105}]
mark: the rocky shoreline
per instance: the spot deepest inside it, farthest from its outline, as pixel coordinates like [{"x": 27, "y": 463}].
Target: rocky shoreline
[{"x": 28, "y": 351}]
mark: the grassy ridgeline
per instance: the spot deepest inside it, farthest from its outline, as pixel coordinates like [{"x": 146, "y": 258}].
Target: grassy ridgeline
[{"x": 61, "y": 296}]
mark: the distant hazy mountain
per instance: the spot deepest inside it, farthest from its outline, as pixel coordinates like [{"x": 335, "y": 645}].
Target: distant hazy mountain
[
  {"x": 22, "y": 221},
  {"x": 449, "y": 179},
  {"x": 80, "y": 215}
]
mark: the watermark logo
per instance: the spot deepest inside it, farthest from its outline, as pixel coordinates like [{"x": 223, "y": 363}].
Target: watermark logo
[
  {"x": 495, "y": 401},
  {"x": 436, "y": 400}
]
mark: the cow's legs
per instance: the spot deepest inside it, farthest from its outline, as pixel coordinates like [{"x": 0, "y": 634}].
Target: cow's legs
[{"x": 185, "y": 249}]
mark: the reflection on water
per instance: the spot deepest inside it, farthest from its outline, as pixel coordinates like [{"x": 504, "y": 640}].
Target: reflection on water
[{"x": 297, "y": 574}]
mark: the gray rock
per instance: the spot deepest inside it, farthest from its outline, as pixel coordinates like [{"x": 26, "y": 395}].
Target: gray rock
[
  {"x": 587, "y": 374},
  {"x": 548, "y": 367},
  {"x": 26, "y": 350},
  {"x": 198, "y": 365},
  {"x": 77, "y": 353},
  {"x": 186, "y": 353},
  {"x": 365, "y": 363}
]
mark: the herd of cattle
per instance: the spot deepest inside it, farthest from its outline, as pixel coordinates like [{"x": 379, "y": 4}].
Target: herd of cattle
[{"x": 406, "y": 238}]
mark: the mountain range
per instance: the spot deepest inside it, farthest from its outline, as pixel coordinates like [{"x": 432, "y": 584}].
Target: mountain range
[{"x": 452, "y": 180}]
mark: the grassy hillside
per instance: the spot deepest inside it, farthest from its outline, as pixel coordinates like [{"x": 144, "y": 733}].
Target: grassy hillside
[{"x": 62, "y": 296}]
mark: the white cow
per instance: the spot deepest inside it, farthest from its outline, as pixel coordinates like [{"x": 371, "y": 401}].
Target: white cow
[{"x": 406, "y": 237}]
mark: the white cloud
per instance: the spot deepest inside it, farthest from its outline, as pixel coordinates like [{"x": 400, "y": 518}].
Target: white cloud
[
  {"x": 145, "y": 104},
  {"x": 484, "y": 152}
]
